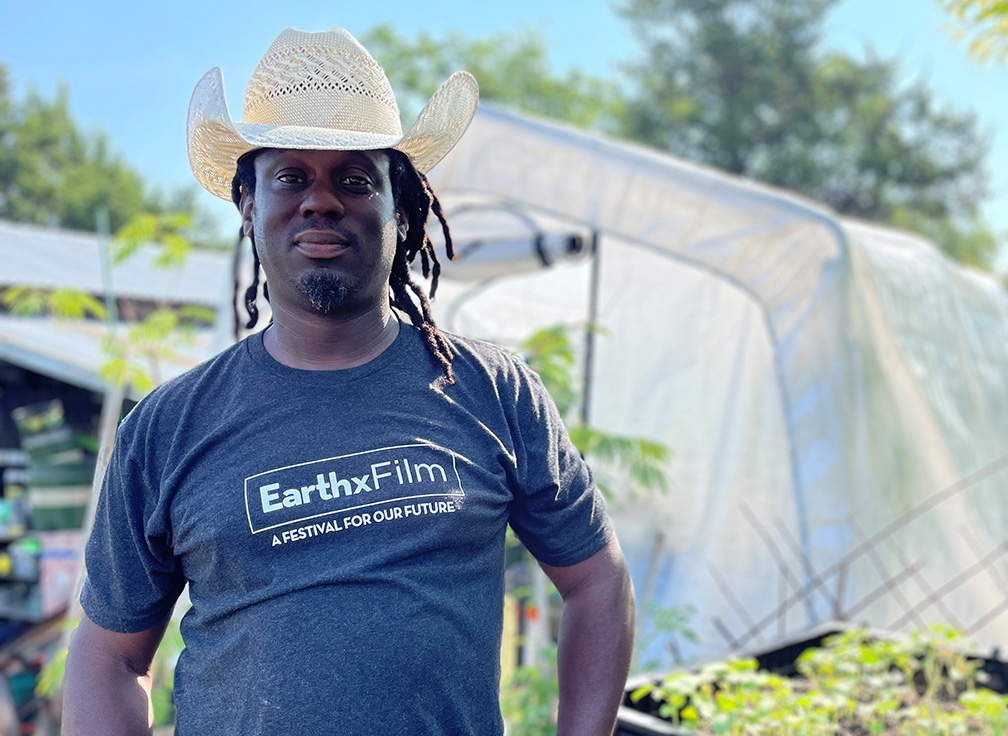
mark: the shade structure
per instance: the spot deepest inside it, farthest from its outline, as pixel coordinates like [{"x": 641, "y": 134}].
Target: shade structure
[{"x": 835, "y": 393}]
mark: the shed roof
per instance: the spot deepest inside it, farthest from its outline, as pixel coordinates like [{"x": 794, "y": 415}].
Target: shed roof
[{"x": 51, "y": 258}]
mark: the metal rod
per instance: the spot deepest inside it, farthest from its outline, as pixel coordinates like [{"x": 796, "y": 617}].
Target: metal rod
[
  {"x": 880, "y": 591},
  {"x": 986, "y": 618},
  {"x": 590, "y": 328},
  {"x": 726, "y": 590},
  {"x": 880, "y": 568},
  {"x": 723, "y": 630},
  {"x": 782, "y": 589},
  {"x": 105, "y": 261},
  {"x": 928, "y": 590},
  {"x": 956, "y": 582},
  {"x": 775, "y": 552},
  {"x": 815, "y": 580},
  {"x": 653, "y": 566},
  {"x": 841, "y": 582},
  {"x": 948, "y": 492},
  {"x": 996, "y": 575}
]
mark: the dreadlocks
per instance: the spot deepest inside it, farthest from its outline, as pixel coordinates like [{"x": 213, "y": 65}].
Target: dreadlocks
[
  {"x": 414, "y": 196},
  {"x": 245, "y": 180}
]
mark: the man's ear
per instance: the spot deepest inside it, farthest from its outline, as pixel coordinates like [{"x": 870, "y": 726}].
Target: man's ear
[
  {"x": 402, "y": 224},
  {"x": 245, "y": 208}
]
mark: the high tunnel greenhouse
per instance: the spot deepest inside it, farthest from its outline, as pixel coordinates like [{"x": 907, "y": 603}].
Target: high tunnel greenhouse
[{"x": 834, "y": 393}]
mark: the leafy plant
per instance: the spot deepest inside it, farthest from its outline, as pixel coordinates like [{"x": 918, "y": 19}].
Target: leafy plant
[
  {"x": 856, "y": 684},
  {"x": 550, "y": 353},
  {"x": 169, "y": 230},
  {"x": 134, "y": 355},
  {"x": 529, "y": 700},
  {"x": 63, "y": 303},
  {"x": 983, "y": 25},
  {"x": 662, "y": 622}
]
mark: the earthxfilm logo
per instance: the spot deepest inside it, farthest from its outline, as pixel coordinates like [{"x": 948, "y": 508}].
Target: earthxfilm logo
[{"x": 364, "y": 482}]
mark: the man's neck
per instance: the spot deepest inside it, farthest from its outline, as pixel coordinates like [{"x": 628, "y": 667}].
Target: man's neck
[{"x": 319, "y": 342}]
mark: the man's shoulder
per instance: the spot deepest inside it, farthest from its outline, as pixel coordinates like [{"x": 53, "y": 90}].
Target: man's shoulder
[
  {"x": 486, "y": 358},
  {"x": 482, "y": 366},
  {"x": 203, "y": 382}
]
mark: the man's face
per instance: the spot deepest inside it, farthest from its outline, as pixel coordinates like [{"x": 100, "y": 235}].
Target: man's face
[{"x": 326, "y": 228}]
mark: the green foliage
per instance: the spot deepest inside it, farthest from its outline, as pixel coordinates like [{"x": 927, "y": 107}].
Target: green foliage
[
  {"x": 163, "y": 674},
  {"x": 167, "y": 229},
  {"x": 742, "y": 85},
  {"x": 135, "y": 353},
  {"x": 550, "y": 353},
  {"x": 64, "y": 303},
  {"x": 855, "y": 684},
  {"x": 642, "y": 460},
  {"x": 513, "y": 69},
  {"x": 53, "y": 173},
  {"x": 983, "y": 25},
  {"x": 721, "y": 79},
  {"x": 529, "y": 700},
  {"x": 50, "y": 678},
  {"x": 661, "y": 623}
]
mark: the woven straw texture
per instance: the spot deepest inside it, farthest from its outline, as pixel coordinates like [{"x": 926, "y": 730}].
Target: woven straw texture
[{"x": 319, "y": 91}]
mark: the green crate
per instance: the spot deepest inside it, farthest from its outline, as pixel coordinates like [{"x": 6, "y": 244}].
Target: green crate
[
  {"x": 58, "y": 507},
  {"x": 70, "y": 474}
]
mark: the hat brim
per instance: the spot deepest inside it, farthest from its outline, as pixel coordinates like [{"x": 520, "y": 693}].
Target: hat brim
[{"x": 216, "y": 142}]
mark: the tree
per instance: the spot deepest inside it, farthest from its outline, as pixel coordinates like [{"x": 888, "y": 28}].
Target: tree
[
  {"x": 984, "y": 25},
  {"x": 52, "y": 173},
  {"x": 721, "y": 79},
  {"x": 513, "y": 70},
  {"x": 741, "y": 85}
]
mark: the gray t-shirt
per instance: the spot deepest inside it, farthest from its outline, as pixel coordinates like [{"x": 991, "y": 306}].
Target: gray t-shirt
[{"x": 342, "y": 534}]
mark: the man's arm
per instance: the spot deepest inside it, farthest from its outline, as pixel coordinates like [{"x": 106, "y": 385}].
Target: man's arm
[
  {"x": 596, "y": 640},
  {"x": 107, "y": 686}
]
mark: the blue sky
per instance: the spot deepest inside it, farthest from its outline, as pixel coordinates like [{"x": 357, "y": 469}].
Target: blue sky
[{"x": 131, "y": 67}]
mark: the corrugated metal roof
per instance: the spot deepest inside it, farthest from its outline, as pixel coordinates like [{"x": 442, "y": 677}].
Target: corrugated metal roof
[
  {"x": 71, "y": 350},
  {"x": 50, "y": 258}
]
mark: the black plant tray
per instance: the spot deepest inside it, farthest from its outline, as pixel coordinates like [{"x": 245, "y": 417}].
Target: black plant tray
[{"x": 642, "y": 719}]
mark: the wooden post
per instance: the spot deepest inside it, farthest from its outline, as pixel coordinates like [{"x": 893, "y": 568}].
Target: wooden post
[{"x": 111, "y": 409}]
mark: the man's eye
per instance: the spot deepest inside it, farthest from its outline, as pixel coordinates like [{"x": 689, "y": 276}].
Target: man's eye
[
  {"x": 289, "y": 178},
  {"x": 357, "y": 182}
]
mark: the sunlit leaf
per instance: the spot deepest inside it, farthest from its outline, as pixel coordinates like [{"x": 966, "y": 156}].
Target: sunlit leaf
[
  {"x": 25, "y": 302},
  {"x": 75, "y": 304}
]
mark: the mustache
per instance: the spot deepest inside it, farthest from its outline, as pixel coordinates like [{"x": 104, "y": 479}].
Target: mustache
[{"x": 322, "y": 223}]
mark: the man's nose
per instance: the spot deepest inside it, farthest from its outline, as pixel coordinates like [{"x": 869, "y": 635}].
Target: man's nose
[{"x": 322, "y": 198}]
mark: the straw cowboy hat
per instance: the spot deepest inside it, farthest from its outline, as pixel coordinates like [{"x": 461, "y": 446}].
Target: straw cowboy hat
[{"x": 319, "y": 91}]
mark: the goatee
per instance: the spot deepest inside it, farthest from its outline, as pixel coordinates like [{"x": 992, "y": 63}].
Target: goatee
[{"x": 325, "y": 291}]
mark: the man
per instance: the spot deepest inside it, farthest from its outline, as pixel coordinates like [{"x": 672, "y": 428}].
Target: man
[{"x": 335, "y": 490}]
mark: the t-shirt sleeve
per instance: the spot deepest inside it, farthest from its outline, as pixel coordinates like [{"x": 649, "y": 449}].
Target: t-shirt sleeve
[
  {"x": 133, "y": 576},
  {"x": 557, "y": 512}
]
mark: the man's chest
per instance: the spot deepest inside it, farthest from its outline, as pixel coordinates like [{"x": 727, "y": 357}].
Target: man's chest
[{"x": 274, "y": 498}]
